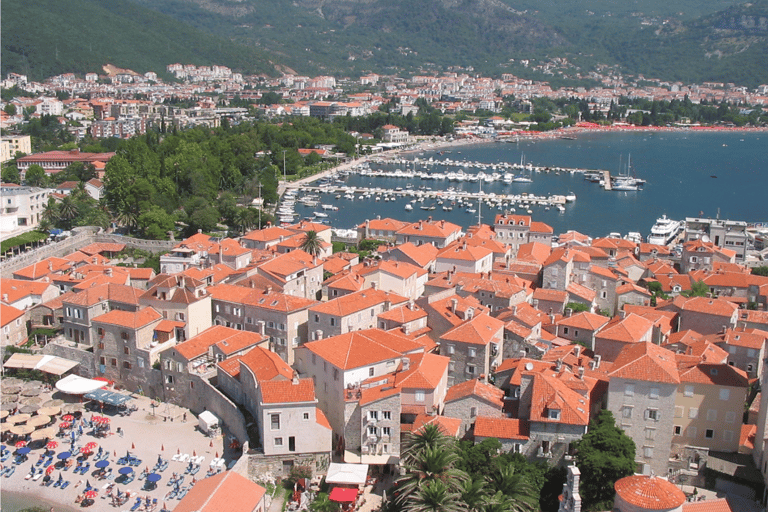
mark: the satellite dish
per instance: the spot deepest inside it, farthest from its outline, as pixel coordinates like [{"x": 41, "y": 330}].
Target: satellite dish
[
  {"x": 705, "y": 239},
  {"x": 529, "y": 366}
]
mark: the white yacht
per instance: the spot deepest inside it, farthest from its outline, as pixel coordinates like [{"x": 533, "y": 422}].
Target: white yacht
[{"x": 664, "y": 231}]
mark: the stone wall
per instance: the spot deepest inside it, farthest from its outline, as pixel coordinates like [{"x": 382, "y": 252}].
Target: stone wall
[
  {"x": 226, "y": 410},
  {"x": 462, "y": 408},
  {"x": 82, "y": 236},
  {"x": 262, "y": 467},
  {"x": 75, "y": 352}
]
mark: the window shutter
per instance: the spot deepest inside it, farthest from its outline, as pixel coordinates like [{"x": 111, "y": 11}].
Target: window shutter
[{"x": 647, "y": 414}]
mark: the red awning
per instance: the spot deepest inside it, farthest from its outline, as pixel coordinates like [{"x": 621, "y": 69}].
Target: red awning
[{"x": 343, "y": 495}]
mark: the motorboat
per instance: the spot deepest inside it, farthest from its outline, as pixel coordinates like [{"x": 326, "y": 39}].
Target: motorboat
[{"x": 664, "y": 231}]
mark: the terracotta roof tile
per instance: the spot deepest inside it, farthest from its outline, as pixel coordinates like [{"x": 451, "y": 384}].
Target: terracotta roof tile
[
  {"x": 286, "y": 391},
  {"x": 228, "y": 487},
  {"x": 447, "y": 425},
  {"x": 358, "y": 301},
  {"x": 649, "y": 493},
  {"x": 129, "y": 319},
  {"x": 481, "y": 329},
  {"x": 477, "y": 388},
  {"x": 228, "y": 340},
  {"x": 362, "y": 348},
  {"x": 648, "y": 362},
  {"x": 502, "y": 428}
]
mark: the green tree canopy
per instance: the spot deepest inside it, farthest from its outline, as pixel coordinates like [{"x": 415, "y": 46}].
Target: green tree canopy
[{"x": 605, "y": 454}]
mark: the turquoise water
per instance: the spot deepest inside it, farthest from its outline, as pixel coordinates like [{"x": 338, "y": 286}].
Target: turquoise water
[{"x": 677, "y": 166}]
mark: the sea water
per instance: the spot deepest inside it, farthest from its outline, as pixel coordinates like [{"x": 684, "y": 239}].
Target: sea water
[{"x": 689, "y": 174}]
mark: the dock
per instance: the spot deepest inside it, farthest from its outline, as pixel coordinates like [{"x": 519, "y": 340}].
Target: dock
[{"x": 607, "y": 180}]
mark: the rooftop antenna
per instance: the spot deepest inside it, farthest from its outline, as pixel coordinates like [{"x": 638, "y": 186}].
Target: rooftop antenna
[{"x": 718, "y": 214}]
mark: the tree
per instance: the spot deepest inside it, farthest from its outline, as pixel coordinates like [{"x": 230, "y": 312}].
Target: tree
[
  {"x": 35, "y": 176},
  {"x": 68, "y": 211},
  {"x": 518, "y": 491},
  {"x": 698, "y": 289},
  {"x": 10, "y": 174},
  {"x": 311, "y": 244},
  {"x": 433, "y": 464},
  {"x": 323, "y": 504},
  {"x": 415, "y": 444},
  {"x": 577, "y": 307},
  {"x": 435, "y": 496},
  {"x": 760, "y": 271},
  {"x": 605, "y": 454}
]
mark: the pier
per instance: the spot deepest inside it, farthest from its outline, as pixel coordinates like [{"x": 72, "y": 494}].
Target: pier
[{"x": 607, "y": 180}]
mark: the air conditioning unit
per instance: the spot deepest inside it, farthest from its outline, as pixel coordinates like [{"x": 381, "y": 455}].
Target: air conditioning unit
[{"x": 364, "y": 449}]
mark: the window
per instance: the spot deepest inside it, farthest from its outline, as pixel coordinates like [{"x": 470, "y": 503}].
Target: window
[
  {"x": 305, "y": 416},
  {"x": 678, "y": 430},
  {"x": 113, "y": 362},
  {"x": 472, "y": 412},
  {"x": 373, "y": 415},
  {"x": 335, "y": 374},
  {"x": 688, "y": 391},
  {"x": 565, "y": 330},
  {"x": 419, "y": 396},
  {"x": 471, "y": 369},
  {"x": 472, "y": 352},
  {"x": 691, "y": 431},
  {"x": 652, "y": 414},
  {"x": 124, "y": 335},
  {"x": 101, "y": 346},
  {"x": 711, "y": 414},
  {"x": 274, "y": 420},
  {"x": 451, "y": 350},
  {"x": 292, "y": 444},
  {"x": 709, "y": 433},
  {"x": 386, "y": 431},
  {"x": 333, "y": 321},
  {"x": 371, "y": 431},
  {"x": 727, "y": 435},
  {"x": 102, "y": 361},
  {"x": 626, "y": 411},
  {"x": 371, "y": 371},
  {"x": 387, "y": 415},
  {"x": 730, "y": 416},
  {"x": 654, "y": 393},
  {"x": 679, "y": 411},
  {"x": 126, "y": 351},
  {"x": 140, "y": 362},
  {"x": 725, "y": 394},
  {"x": 648, "y": 451},
  {"x": 169, "y": 379},
  {"x": 629, "y": 390},
  {"x": 278, "y": 441},
  {"x": 693, "y": 413},
  {"x": 603, "y": 294},
  {"x": 554, "y": 414},
  {"x": 650, "y": 434}
]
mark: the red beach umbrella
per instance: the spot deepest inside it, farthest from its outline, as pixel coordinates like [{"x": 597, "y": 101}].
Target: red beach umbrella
[
  {"x": 64, "y": 425},
  {"x": 52, "y": 445},
  {"x": 91, "y": 445},
  {"x": 67, "y": 417},
  {"x": 91, "y": 494},
  {"x": 21, "y": 444}
]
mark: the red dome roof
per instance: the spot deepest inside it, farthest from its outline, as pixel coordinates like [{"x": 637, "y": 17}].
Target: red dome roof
[{"x": 648, "y": 492}]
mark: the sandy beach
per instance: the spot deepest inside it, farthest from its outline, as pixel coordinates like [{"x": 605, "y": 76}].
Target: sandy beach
[{"x": 147, "y": 433}]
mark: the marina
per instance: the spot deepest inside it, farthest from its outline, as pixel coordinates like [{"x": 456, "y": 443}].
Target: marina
[{"x": 480, "y": 183}]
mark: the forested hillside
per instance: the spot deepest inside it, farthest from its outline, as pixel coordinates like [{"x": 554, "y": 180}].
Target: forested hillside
[{"x": 47, "y": 37}]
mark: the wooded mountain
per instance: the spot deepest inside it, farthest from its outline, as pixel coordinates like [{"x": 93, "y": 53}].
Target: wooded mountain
[
  {"x": 687, "y": 40},
  {"x": 42, "y": 38}
]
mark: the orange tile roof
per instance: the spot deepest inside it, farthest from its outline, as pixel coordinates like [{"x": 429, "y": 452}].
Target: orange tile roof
[
  {"x": 259, "y": 298},
  {"x": 649, "y": 492},
  {"x": 402, "y": 270},
  {"x": 747, "y": 437},
  {"x": 718, "y": 374},
  {"x": 290, "y": 263},
  {"x": 585, "y": 320},
  {"x": 648, "y": 362},
  {"x": 265, "y": 364},
  {"x": 321, "y": 420},
  {"x": 481, "y": 329},
  {"x": 714, "y": 505},
  {"x": 462, "y": 252},
  {"x": 447, "y": 425},
  {"x": 9, "y": 313},
  {"x": 362, "y": 348},
  {"x": 512, "y": 220},
  {"x": 17, "y": 289},
  {"x": 387, "y": 224},
  {"x": 581, "y": 291},
  {"x": 287, "y": 392},
  {"x": 423, "y": 254},
  {"x": 477, "y": 388},
  {"x": 502, "y": 428},
  {"x": 403, "y": 314},
  {"x": 718, "y": 307},
  {"x": 603, "y": 272},
  {"x": 430, "y": 228},
  {"x": 631, "y": 329},
  {"x": 550, "y": 393},
  {"x": 99, "y": 247},
  {"x": 228, "y": 340},
  {"x": 269, "y": 234},
  {"x": 129, "y": 319},
  {"x": 358, "y": 301},
  {"x": 425, "y": 371},
  {"x": 43, "y": 268},
  {"x": 228, "y": 487},
  {"x": 550, "y": 295},
  {"x": 541, "y": 227},
  {"x": 105, "y": 292},
  {"x": 533, "y": 252}
]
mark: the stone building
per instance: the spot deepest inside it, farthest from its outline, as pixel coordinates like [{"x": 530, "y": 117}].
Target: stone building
[{"x": 475, "y": 347}]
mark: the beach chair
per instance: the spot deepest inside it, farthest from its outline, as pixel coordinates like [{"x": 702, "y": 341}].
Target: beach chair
[
  {"x": 176, "y": 457},
  {"x": 183, "y": 492},
  {"x": 64, "y": 485},
  {"x": 32, "y": 472},
  {"x": 40, "y": 461},
  {"x": 58, "y": 482},
  {"x": 11, "y": 471},
  {"x": 85, "y": 468},
  {"x": 48, "y": 482},
  {"x": 220, "y": 464},
  {"x": 195, "y": 470},
  {"x": 38, "y": 475},
  {"x": 136, "y": 505}
]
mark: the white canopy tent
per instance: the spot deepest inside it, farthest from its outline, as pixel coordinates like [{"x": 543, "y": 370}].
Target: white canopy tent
[
  {"x": 350, "y": 474},
  {"x": 74, "y": 385},
  {"x": 45, "y": 363}
]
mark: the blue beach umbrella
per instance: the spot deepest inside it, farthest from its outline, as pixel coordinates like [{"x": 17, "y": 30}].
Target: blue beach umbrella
[
  {"x": 64, "y": 455},
  {"x": 153, "y": 477},
  {"x": 125, "y": 471},
  {"x": 102, "y": 464}
]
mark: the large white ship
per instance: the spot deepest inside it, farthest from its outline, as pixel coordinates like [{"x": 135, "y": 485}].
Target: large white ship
[{"x": 664, "y": 231}]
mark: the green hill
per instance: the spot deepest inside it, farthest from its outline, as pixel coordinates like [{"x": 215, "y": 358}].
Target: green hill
[{"x": 42, "y": 38}]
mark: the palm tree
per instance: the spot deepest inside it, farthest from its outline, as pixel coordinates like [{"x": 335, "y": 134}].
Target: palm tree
[
  {"x": 433, "y": 464},
  {"x": 474, "y": 495},
  {"x": 435, "y": 496},
  {"x": 323, "y": 504},
  {"x": 311, "y": 243},
  {"x": 429, "y": 436},
  {"x": 244, "y": 219},
  {"x": 515, "y": 487},
  {"x": 127, "y": 218},
  {"x": 67, "y": 210}
]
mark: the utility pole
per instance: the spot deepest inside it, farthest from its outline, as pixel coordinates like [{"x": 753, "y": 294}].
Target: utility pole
[
  {"x": 261, "y": 204},
  {"x": 284, "y": 175}
]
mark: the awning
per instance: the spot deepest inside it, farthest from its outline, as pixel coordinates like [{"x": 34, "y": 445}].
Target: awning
[
  {"x": 44, "y": 363},
  {"x": 108, "y": 397},
  {"x": 354, "y": 457},
  {"x": 348, "y": 474},
  {"x": 74, "y": 385},
  {"x": 343, "y": 495}
]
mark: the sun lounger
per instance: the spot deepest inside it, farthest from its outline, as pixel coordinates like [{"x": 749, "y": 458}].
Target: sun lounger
[
  {"x": 37, "y": 476},
  {"x": 195, "y": 470},
  {"x": 136, "y": 505},
  {"x": 182, "y": 492},
  {"x": 220, "y": 464},
  {"x": 11, "y": 470},
  {"x": 176, "y": 457},
  {"x": 64, "y": 485}
]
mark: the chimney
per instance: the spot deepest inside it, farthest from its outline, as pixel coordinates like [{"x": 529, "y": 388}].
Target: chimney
[
  {"x": 454, "y": 303},
  {"x": 581, "y": 372},
  {"x": 597, "y": 361},
  {"x": 558, "y": 365},
  {"x": 724, "y": 329},
  {"x": 251, "y": 283},
  {"x": 406, "y": 363},
  {"x": 268, "y": 290},
  {"x": 623, "y": 314},
  {"x": 295, "y": 378},
  {"x": 260, "y": 327},
  {"x": 108, "y": 271},
  {"x": 5, "y": 297},
  {"x": 199, "y": 231},
  {"x": 50, "y": 266},
  {"x": 373, "y": 285},
  {"x": 578, "y": 351},
  {"x": 536, "y": 303},
  {"x": 568, "y": 312}
]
